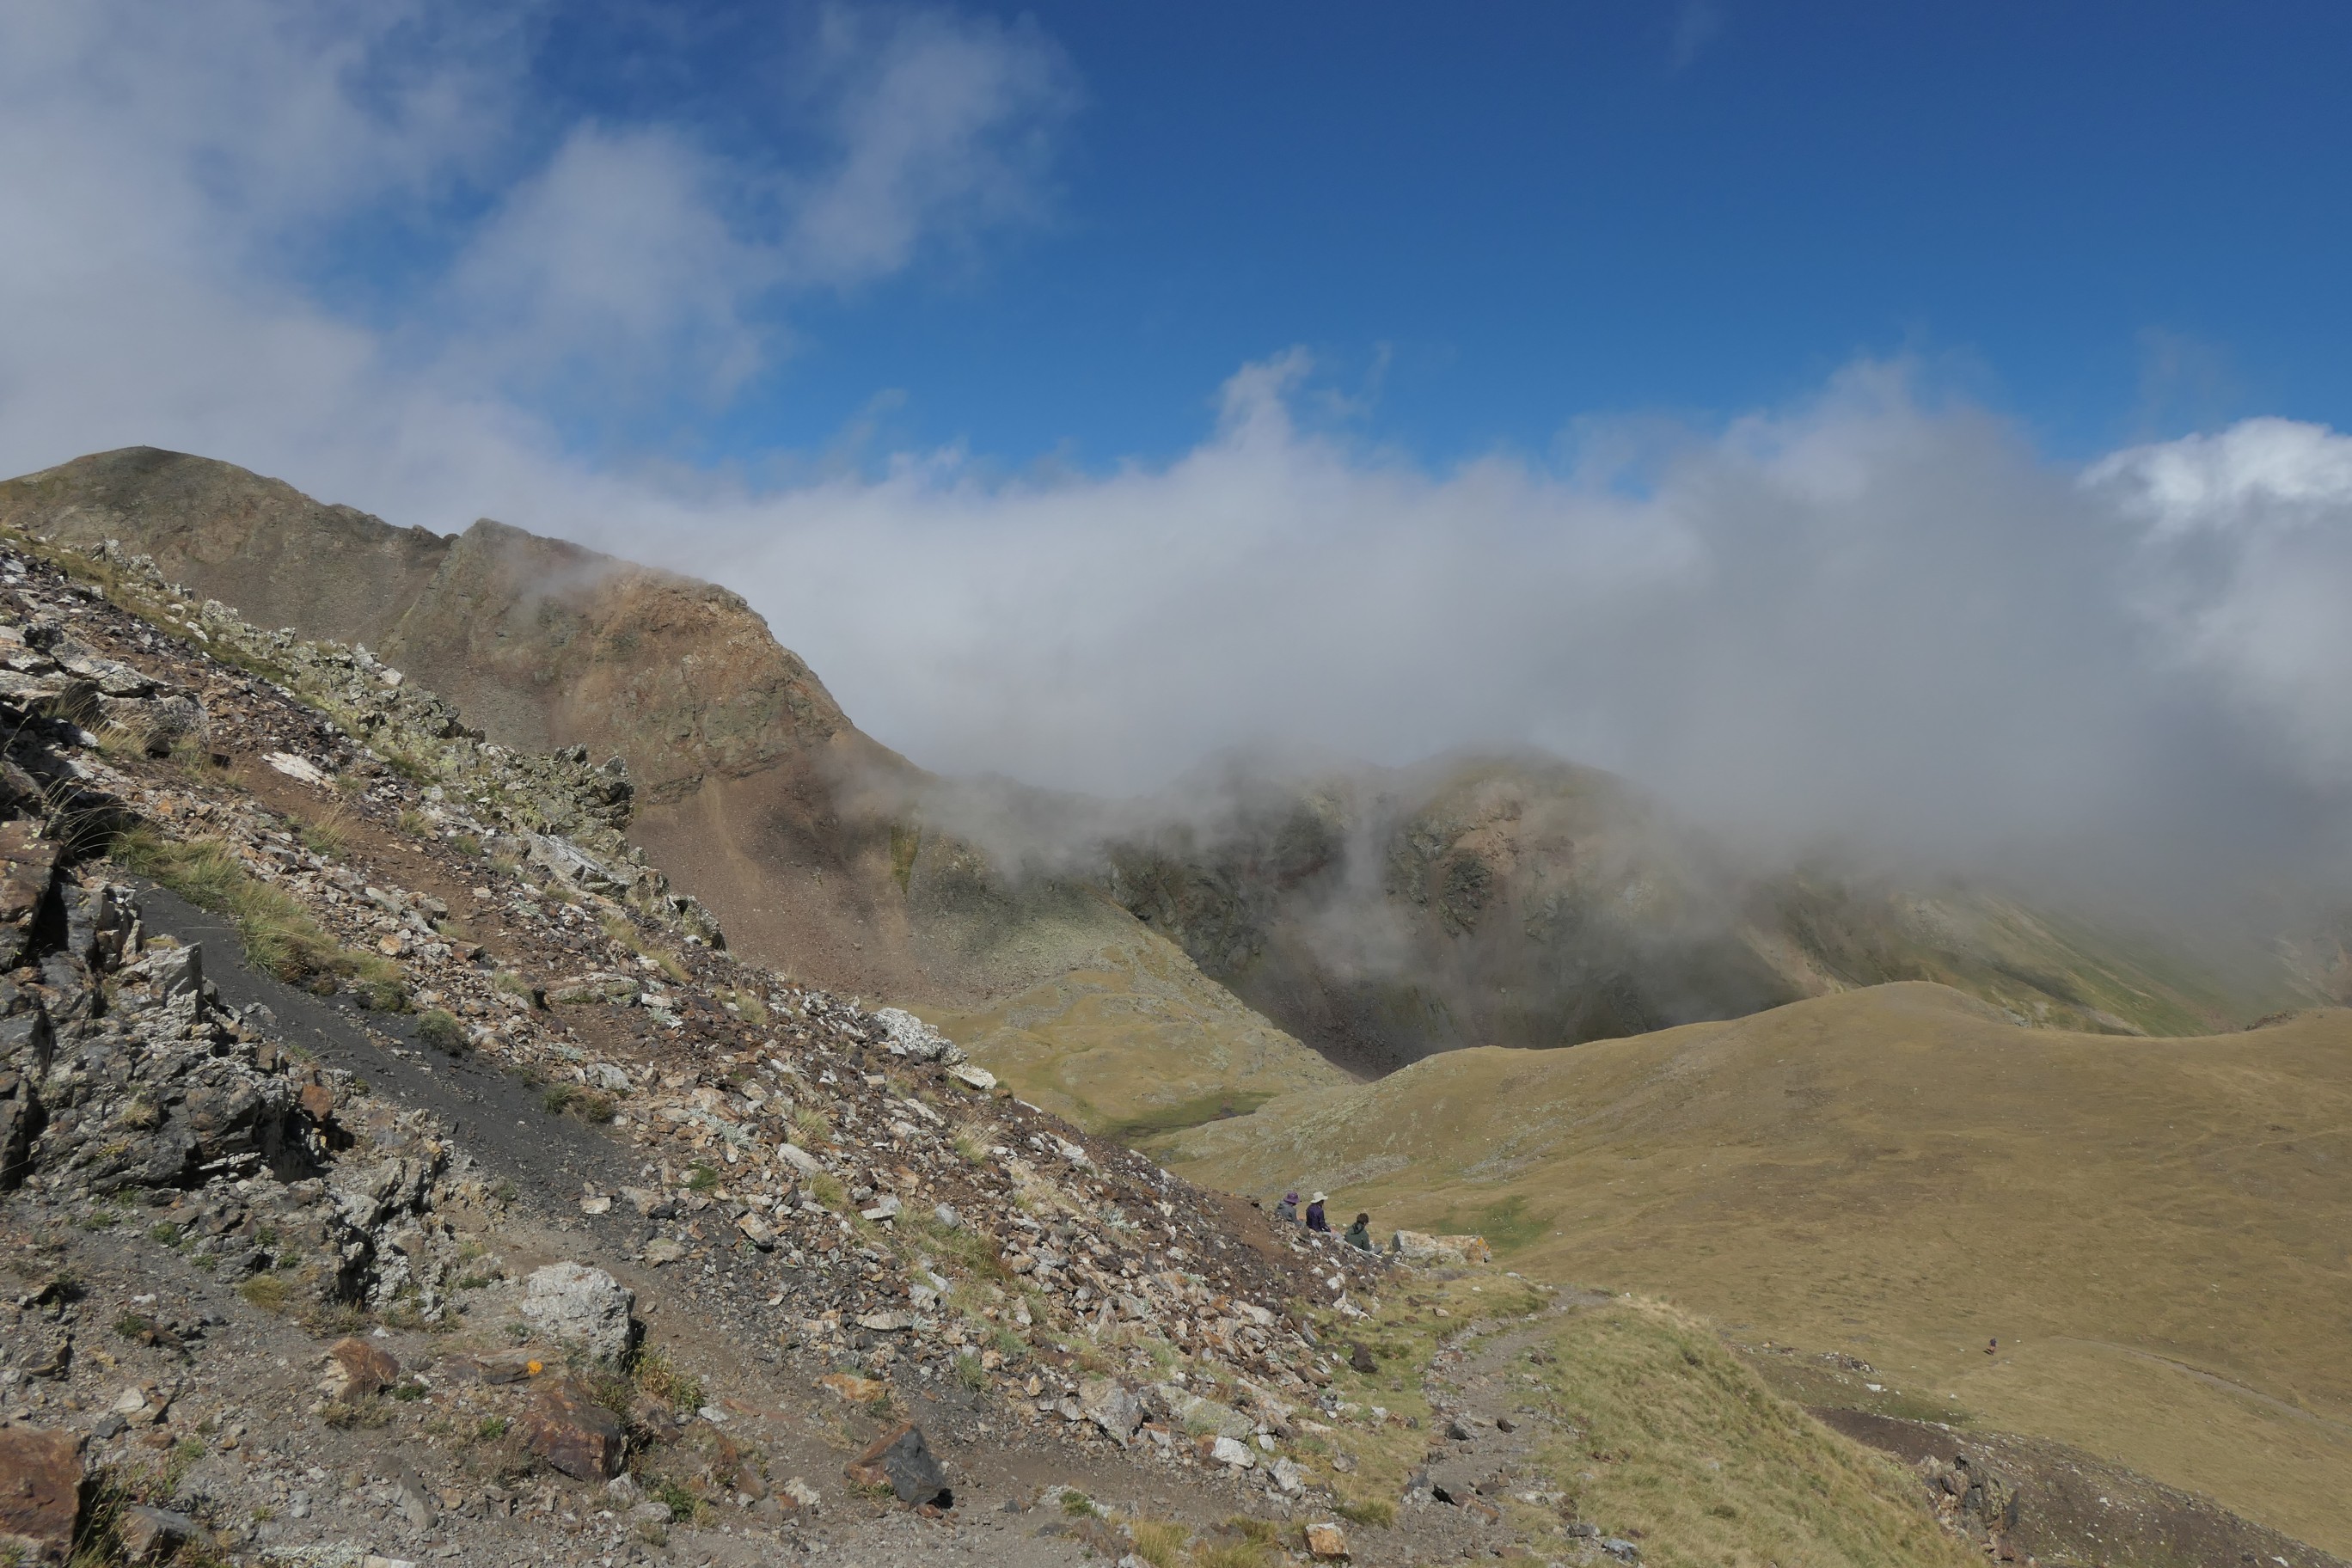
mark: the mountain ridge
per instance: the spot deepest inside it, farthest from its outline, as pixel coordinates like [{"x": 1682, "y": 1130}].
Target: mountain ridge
[{"x": 1368, "y": 916}]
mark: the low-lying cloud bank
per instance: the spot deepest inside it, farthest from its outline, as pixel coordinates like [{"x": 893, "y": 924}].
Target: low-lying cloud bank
[
  {"x": 1878, "y": 616},
  {"x": 1863, "y": 619}
]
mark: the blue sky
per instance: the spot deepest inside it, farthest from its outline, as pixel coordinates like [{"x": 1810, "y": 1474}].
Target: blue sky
[
  {"x": 1922, "y": 424},
  {"x": 2115, "y": 221}
]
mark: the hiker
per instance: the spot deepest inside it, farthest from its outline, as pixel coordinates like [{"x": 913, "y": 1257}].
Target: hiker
[
  {"x": 1286, "y": 1211},
  {"x": 1360, "y": 1234},
  {"x": 1315, "y": 1220}
]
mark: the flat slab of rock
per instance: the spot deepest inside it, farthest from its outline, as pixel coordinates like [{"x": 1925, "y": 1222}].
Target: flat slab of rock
[
  {"x": 151, "y": 1534},
  {"x": 40, "y": 1492}
]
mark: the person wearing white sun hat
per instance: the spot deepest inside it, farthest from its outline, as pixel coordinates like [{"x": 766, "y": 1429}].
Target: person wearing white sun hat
[{"x": 1315, "y": 1220}]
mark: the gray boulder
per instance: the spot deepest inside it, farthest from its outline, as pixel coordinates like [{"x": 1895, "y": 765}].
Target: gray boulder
[{"x": 577, "y": 1305}]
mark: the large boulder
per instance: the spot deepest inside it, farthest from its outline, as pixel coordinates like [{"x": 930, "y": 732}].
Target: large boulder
[
  {"x": 1116, "y": 1409},
  {"x": 582, "y": 1306},
  {"x": 356, "y": 1368}
]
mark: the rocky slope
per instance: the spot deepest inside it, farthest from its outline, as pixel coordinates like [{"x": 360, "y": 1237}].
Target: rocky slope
[
  {"x": 393, "y": 1166},
  {"x": 752, "y": 783},
  {"x": 752, "y": 788}
]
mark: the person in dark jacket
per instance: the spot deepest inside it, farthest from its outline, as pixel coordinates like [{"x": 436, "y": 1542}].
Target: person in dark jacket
[
  {"x": 1286, "y": 1211},
  {"x": 1360, "y": 1234},
  {"x": 1315, "y": 1220}
]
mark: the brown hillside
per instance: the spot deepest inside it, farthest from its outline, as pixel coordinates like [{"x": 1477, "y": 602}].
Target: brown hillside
[
  {"x": 739, "y": 751},
  {"x": 754, "y": 791}
]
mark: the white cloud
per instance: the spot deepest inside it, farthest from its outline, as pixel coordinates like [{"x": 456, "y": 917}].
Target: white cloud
[
  {"x": 938, "y": 123},
  {"x": 174, "y": 178},
  {"x": 613, "y": 262},
  {"x": 1868, "y": 614},
  {"x": 2247, "y": 566}
]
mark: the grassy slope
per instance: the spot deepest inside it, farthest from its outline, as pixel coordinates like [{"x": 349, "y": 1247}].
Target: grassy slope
[
  {"x": 1135, "y": 1040},
  {"x": 2151, "y": 1227},
  {"x": 1669, "y": 1434}
]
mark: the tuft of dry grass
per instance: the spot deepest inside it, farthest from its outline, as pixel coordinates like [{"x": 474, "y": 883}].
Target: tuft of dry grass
[
  {"x": 278, "y": 933},
  {"x": 1159, "y": 1542}
]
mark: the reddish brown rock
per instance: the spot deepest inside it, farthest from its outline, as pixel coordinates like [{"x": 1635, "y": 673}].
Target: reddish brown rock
[
  {"x": 318, "y": 1102},
  {"x": 40, "y": 1493},
  {"x": 356, "y": 1368},
  {"x": 851, "y": 1388},
  {"x": 573, "y": 1433}
]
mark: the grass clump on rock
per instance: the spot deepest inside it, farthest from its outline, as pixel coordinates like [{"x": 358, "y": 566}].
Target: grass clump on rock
[
  {"x": 571, "y": 1099},
  {"x": 439, "y": 1028},
  {"x": 278, "y": 933}
]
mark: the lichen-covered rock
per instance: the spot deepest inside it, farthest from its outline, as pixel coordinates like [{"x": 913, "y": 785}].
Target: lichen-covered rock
[
  {"x": 1112, "y": 1406},
  {"x": 576, "y": 1305},
  {"x": 917, "y": 1041},
  {"x": 1439, "y": 1251},
  {"x": 356, "y": 1368}
]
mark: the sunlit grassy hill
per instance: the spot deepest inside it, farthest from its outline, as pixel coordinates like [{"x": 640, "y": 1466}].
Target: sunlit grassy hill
[{"x": 2154, "y": 1230}]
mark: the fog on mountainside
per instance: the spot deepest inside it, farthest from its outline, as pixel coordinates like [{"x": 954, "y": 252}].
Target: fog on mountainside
[
  {"x": 1868, "y": 623},
  {"x": 2094, "y": 842}
]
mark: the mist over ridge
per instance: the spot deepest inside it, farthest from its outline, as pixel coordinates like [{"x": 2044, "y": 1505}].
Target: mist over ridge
[{"x": 1875, "y": 624}]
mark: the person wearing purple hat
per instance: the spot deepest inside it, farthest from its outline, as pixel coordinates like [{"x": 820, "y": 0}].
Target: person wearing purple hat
[{"x": 1286, "y": 1211}]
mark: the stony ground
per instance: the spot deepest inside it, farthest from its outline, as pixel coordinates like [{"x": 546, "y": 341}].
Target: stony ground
[{"x": 336, "y": 1037}]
